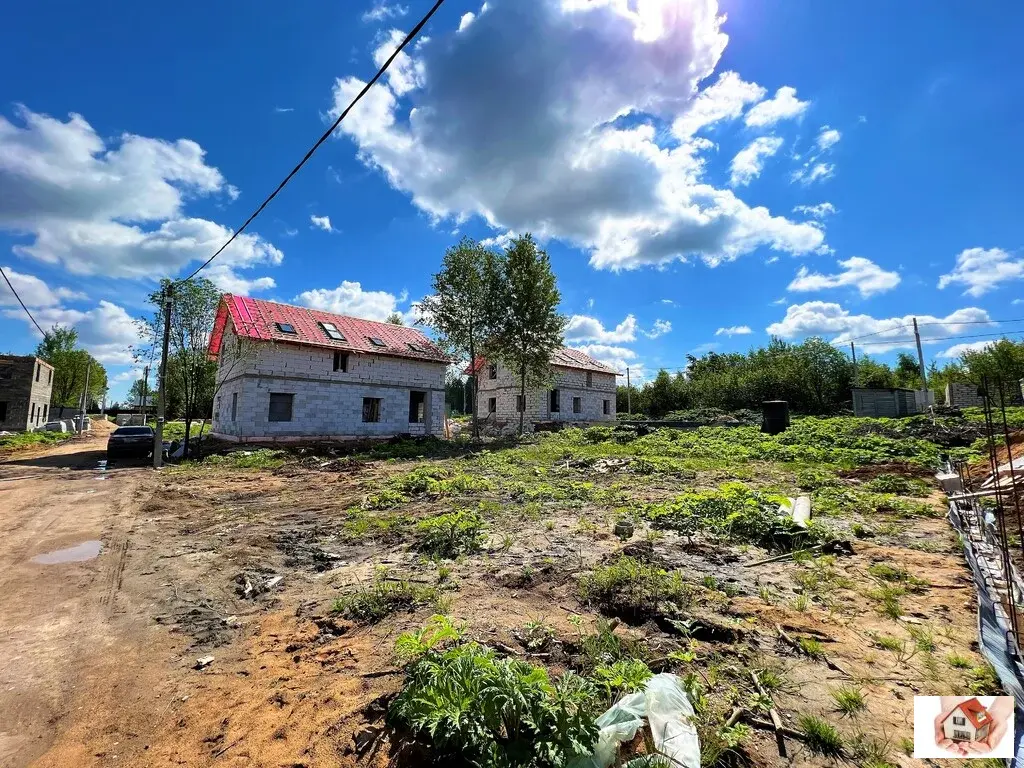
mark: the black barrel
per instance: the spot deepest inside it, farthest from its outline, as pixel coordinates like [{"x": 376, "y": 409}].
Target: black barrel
[{"x": 774, "y": 416}]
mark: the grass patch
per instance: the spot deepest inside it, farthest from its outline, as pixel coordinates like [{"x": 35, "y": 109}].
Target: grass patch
[
  {"x": 632, "y": 589},
  {"x": 821, "y": 737},
  {"x": 373, "y": 603},
  {"x": 898, "y": 484},
  {"x": 848, "y": 699},
  {"x": 262, "y": 458},
  {"x": 956, "y": 661},
  {"x": 896, "y": 575},
  {"x": 23, "y": 440}
]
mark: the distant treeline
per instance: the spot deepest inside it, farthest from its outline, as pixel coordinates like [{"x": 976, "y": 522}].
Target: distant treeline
[{"x": 814, "y": 376}]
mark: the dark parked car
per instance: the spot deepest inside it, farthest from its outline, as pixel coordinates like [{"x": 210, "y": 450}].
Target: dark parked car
[{"x": 130, "y": 442}]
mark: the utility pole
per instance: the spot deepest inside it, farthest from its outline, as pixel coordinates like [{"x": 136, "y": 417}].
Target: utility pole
[
  {"x": 158, "y": 438},
  {"x": 920, "y": 357},
  {"x": 629, "y": 393},
  {"x": 85, "y": 396},
  {"x": 145, "y": 392},
  {"x": 853, "y": 352}
]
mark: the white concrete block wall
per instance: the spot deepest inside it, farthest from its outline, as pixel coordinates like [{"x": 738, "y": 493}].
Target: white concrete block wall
[
  {"x": 570, "y": 382},
  {"x": 326, "y": 403}
]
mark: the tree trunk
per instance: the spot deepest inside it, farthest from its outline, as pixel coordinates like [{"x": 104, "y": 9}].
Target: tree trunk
[
  {"x": 188, "y": 428},
  {"x": 522, "y": 394}
]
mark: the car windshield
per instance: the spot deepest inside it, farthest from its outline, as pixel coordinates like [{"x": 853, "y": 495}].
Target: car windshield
[{"x": 129, "y": 431}]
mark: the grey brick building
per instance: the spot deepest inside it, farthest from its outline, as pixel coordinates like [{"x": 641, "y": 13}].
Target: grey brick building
[
  {"x": 581, "y": 390},
  {"x": 26, "y": 384},
  {"x": 303, "y": 374}
]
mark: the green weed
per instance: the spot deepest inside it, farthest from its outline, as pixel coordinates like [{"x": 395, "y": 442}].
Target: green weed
[
  {"x": 633, "y": 589},
  {"x": 848, "y": 699},
  {"x": 450, "y": 535},
  {"x": 820, "y": 736},
  {"x": 383, "y": 597}
]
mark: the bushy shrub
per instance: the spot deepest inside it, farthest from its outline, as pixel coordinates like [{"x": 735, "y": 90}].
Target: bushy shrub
[
  {"x": 473, "y": 707},
  {"x": 632, "y": 589},
  {"x": 382, "y": 598},
  {"x": 451, "y": 534}
]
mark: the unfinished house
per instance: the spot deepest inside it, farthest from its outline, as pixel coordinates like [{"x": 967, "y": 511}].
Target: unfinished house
[
  {"x": 26, "y": 384},
  {"x": 581, "y": 390},
  {"x": 289, "y": 373}
]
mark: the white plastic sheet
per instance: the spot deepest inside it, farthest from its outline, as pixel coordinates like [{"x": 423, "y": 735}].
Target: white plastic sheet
[{"x": 666, "y": 709}]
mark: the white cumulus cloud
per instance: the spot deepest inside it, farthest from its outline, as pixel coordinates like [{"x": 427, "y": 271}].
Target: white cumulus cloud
[
  {"x": 618, "y": 358},
  {"x": 981, "y": 270},
  {"x": 112, "y": 208},
  {"x": 734, "y": 330},
  {"x": 322, "y": 222},
  {"x": 660, "y": 328},
  {"x": 749, "y": 161},
  {"x": 383, "y": 11},
  {"x": 820, "y": 318},
  {"x": 349, "y": 298},
  {"x": 33, "y": 291},
  {"x": 827, "y": 138},
  {"x": 818, "y": 211},
  {"x": 857, "y": 272},
  {"x": 586, "y": 328},
  {"x": 783, "y": 106},
  {"x": 958, "y": 349},
  {"x": 107, "y": 331},
  {"x": 448, "y": 131}
]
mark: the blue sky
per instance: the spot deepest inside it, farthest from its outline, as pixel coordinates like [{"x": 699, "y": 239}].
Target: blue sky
[{"x": 795, "y": 168}]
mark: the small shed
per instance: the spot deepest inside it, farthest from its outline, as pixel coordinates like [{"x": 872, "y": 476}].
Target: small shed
[{"x": 890, "y": 403}]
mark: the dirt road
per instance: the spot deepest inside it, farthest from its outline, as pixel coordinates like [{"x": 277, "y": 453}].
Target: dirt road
[{"x": 66, "y": 522}]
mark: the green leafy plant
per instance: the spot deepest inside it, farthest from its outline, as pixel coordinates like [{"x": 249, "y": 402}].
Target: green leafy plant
[
  {"x": 471, "y": 706},
  {"x": 811, "y": 647},
  {"x": 438, "y": 631},
  {"x": 622, "y": 676},
  {"x": 958, "y": 661},
  {"x": 451, "y": 534}
]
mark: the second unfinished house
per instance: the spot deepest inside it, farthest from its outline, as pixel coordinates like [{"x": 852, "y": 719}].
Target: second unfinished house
[{"x": 581, "y": 390}]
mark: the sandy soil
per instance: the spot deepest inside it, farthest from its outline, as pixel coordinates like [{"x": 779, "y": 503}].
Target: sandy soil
[{"x": 97, "y": 658}]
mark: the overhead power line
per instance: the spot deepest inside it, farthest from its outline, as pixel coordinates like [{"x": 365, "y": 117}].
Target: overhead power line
[
  {"x": 923, "y": 325},
  {"x": 900, "y": 342},
  {"x": 380, "y": 72},
  {"x": 9, "y": 285}
]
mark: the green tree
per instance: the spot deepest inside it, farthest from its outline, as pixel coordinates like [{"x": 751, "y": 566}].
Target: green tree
[
  {"x": 395, "y": 319},
  {"x": 907, "y": 372},
  {"x": 59, "y": 348},
  {"x": 140, "y": 392},
  {"x": 527, "y": 326},
  {"x": 873, "y": 374},
  {"x": 190, "y": 373},
  {"x": 1001, "y": 362},
  {"x": 826, "y": 373},
  {"x": 460, "y": 308}
]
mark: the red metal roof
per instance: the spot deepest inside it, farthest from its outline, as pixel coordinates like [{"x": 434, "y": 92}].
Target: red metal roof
[
  {"x": 975, "y": 712},
  {"x": 566, "y": 357},
  {"x": 258, "y": 319}
]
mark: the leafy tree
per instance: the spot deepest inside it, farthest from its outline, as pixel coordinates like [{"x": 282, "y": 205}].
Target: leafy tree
[
  {"x": 872, "y": 374},
  {"x": 59, "y": 348},
  {"x": 1000, "y": 362},
  {"x": 826, "y": 373},
  {"x": 907, "y": 372},
  {"x": 460, "y": 308},
  {"x": 395, "y": 319},
  {"x": 141, "y": 392},
  {"x": 938, "y": 378},
  {"x": 527, "y": 325},
  {"x": 190, "y": 373}
]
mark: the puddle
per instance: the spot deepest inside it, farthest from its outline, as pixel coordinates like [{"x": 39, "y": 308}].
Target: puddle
[{"x": 87, "y": 550}]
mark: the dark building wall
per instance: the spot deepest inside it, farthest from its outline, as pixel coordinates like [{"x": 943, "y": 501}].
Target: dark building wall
[{"x": 26, "y": 384}]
